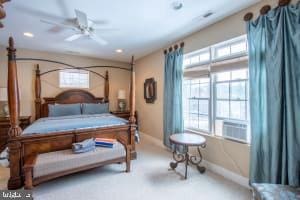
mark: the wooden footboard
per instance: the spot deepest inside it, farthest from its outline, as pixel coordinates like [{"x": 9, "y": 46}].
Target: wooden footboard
[
  {"x": 30, "y": 145},
  {"x": 32, "y": 166}
]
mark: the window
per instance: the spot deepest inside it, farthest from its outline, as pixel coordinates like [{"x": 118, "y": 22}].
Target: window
[
  {"x": 218, "y": 103},
  {"x": 196, "y": 104},
  {"x": 231, "y": 48},
  {"x": 74, "y": 78},
  {"x": 235, "y": 47},
  {"x": 197, "y": 58},
  {"x": 231, "y": 103}
]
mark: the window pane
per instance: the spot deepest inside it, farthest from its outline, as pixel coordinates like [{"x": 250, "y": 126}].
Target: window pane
[
  {"x": 222, "y": 90},
  {"x": 238, "y": 110},
  {"x": 73, "y": 79},
  {"x": 224, "y": 76},
  {"x": 186, "y": 89},
  {"x": 194, "y": 81},
  {"x": 186, "y": 62},
  {"x": 223, "y": 51},
  {"x": 204, "y": 80},
  {"x": 193, "y": 121},
  {"x": 186, "y": 105},
  {"x": 239, "y": 47},
  {"x": 203, "y": 123},
  {"x": 203, "y": 107},
  {"x": 186, "y": 119},
  {"x": 195, "y": 89},
  {"x": 204, "y": 90},
  {"x": 193, "y": 106},
  {"x": 204, "y": 57},
  {"x": 195, "y": 60},
  {"x": 239, "y": 74},
  {"x": 238, "y": 90},
  {"x": 222, "y": 109}
]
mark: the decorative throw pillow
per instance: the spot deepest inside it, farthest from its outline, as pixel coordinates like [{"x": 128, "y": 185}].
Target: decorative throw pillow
[
  {"x": 94, "y": 108},
  {"x": 58, "y": 110}
]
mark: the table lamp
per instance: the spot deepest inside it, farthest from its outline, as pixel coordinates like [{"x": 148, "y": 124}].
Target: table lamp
[
  {"x": 122, "y": 100},
  {"x": 3, "y": 98}
]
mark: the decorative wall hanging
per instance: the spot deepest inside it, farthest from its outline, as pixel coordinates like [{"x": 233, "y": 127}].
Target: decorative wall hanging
[{"x": 150, "y": 90}]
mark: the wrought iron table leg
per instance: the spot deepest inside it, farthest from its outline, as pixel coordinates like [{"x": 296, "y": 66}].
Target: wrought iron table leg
[
  {"x": 194, "y": 160},
  {"x": 187, "y": 159},
  {"x": 178, "y": 157},
  {"x": 186, "y": 164}
]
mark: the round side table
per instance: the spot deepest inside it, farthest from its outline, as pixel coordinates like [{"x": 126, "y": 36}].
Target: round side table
[{"x": 187, "y": 140}]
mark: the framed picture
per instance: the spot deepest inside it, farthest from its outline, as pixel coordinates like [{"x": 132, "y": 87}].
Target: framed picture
[{"x": 150, "y": 90}]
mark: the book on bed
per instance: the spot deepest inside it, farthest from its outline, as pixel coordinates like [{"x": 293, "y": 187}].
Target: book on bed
[{"x": 105, "y": 142}]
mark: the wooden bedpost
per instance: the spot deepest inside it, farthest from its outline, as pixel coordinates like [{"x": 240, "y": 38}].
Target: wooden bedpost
[
  {"x": 106, "y": 87},
  {"x": 132, "y": 93},
  {"x": 14, "y": 111},
  {"x": 38, "y": 100},
  {"x": 132, "y": 119}
]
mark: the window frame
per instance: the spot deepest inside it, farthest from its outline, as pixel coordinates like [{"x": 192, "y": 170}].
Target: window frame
[
  {"x": 209, "y": 131},
  {"x": 215, "y": 100},
  {"x": 229, "y": 43},
  {"x": 212, "y": 100},
  {"x": 74, "y": 86}
]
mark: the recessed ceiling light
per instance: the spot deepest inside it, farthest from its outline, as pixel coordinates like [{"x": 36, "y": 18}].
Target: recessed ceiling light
[
  {"x": 28, "y": 34},
  {"x": 119, "y": 50},
  {"x": 177, "y": 5}
]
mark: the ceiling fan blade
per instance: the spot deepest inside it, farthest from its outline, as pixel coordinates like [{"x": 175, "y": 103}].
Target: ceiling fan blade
[
  {"x": 57, "y": 24},
  {"x": 98, "y": 39},
  {"x": 82, "y": 18},
  {"x": 73, "y": 37}
]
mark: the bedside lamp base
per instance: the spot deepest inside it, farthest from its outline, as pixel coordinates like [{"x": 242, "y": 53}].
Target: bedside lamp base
[{"x": 122, "y": 105}]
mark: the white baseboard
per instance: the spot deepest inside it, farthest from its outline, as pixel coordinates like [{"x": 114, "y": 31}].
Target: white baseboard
[
  {"x": 243, "y": 181},
  {"x": 152, "y": 139}
]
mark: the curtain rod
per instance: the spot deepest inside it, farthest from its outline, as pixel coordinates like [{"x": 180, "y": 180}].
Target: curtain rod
[
  {"x": 265, "y": 9},
  {"x": 175, "y": 47}
]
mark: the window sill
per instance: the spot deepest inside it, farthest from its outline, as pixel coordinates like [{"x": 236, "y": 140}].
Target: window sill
[{"x": 215, "y": 136}]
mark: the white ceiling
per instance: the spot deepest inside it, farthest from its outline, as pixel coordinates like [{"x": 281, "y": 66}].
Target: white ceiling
[{"x": 143, "y": 25}]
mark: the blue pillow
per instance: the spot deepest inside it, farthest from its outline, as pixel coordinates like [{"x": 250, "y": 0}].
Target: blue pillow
[
  {"x": 94, "y": 108},
  {"x": 58, "y": 110}
]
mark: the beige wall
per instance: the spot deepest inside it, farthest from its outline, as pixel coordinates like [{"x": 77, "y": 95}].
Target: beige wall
[
  {"x": 119, "y": 79},
  {"x": 228, "y": 154}
]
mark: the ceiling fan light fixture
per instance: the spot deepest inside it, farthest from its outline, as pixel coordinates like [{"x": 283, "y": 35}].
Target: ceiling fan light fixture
[
  {"x": 28, "y": 34},
  {"x": 119, "y": 50}
]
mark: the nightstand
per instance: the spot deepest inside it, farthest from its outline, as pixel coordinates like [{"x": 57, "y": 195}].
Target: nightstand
[
  {"x": 4, "y": 128},
  {"x": 125, "y": 114}
]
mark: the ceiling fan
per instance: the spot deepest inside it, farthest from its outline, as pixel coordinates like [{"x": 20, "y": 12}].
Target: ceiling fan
[{"x": 83, "y": 26}]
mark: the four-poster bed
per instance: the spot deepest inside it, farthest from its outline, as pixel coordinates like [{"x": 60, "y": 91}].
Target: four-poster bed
[{"x": 23, "y": 146}]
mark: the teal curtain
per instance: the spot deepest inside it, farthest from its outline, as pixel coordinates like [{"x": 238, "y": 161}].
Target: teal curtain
[
  {"x": 274, "y": 67},
  {"x": 173, "y": 115}
]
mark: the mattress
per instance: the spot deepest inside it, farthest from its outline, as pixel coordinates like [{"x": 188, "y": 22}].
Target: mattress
[{"x": 72, "y": 123}]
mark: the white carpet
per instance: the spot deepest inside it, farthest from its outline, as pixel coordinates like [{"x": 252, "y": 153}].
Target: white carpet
[{"x": 150, "y": 179}]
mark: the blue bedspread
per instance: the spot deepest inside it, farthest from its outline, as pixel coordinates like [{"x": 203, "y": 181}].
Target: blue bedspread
[{"x": 71, "y": 123}]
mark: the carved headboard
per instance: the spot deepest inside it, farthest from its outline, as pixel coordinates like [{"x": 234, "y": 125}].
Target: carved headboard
[
  {"x": 70, "y": 97},
  {"x": 66, "y": 97}
]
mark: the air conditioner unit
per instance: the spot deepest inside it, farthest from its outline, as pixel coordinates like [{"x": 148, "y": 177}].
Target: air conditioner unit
[{"x": 236, "y": 130}]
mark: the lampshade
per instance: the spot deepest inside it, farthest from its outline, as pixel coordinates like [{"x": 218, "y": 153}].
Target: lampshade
[
  {"x": 3, "y": 94},
  {"x": 121, "y": 94}
]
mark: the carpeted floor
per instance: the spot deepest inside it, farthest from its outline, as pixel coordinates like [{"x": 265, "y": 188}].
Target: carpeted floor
[{"x": 150, "y": 179}]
